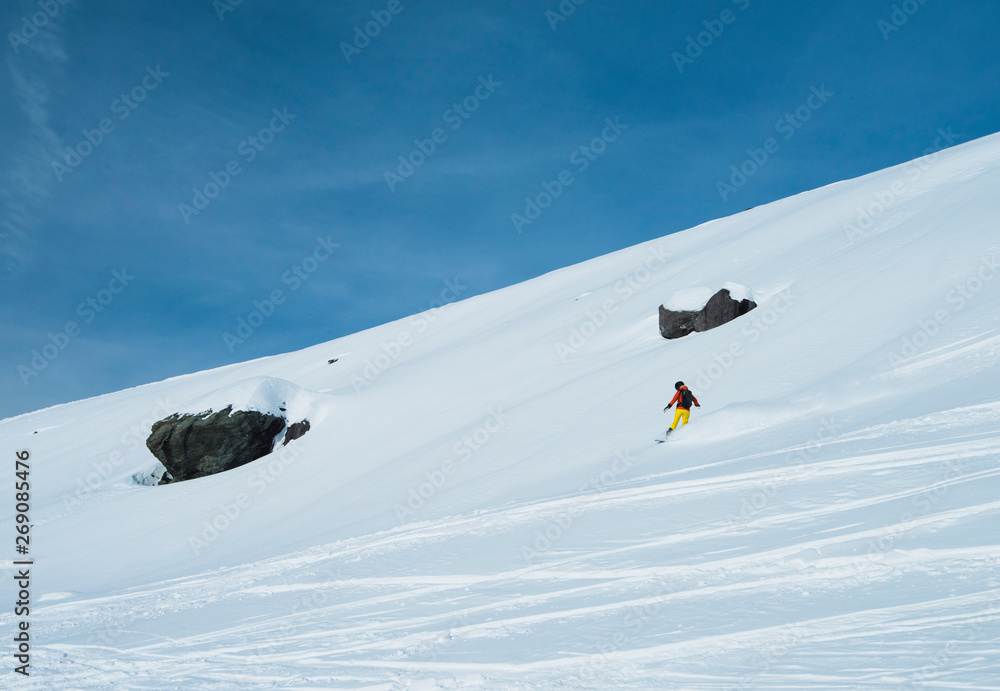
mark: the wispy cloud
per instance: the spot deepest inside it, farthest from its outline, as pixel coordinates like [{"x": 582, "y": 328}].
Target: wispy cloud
[{"x": 26, "y": 179}]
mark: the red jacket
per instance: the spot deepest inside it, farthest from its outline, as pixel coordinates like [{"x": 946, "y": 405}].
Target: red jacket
[{"x": 677, "y": 399}]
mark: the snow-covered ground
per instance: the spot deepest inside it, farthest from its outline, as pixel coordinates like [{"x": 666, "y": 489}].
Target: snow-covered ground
[{"x": 480, "y": 504}]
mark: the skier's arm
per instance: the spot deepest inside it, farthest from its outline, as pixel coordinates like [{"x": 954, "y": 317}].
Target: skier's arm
[
  {"x": 697, "y": 404},
  {"x": 672, "y": 401}
]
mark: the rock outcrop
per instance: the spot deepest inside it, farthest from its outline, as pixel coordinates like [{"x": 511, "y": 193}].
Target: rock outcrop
[
  {"x": 720, "y": 309},
  {"x": 295, "y": 431},
  {"x": 192, "y": 446}
]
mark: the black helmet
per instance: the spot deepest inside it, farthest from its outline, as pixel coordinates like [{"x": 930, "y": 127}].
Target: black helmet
[{"x": 678, "y": 385}]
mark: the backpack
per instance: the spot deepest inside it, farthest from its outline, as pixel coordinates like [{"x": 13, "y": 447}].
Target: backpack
[{"x": 687, "y": 398}]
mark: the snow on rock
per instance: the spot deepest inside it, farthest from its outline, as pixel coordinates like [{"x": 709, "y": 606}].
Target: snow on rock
[
  {"x": 194, "y": 446},
  {"x": 720, "y": 309},
  {"x": 740, "y": 292},
  {"x": 228, "y": 428},
  {"x": 695, "y": 299},
  {"x": 268, "y": 395},
  {"x": 690, "y": 299}
]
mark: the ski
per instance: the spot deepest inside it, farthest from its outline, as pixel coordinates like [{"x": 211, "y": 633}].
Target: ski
[{"x": 665, "y": 436}]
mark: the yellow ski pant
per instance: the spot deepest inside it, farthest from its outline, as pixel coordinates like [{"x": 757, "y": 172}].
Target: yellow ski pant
[{"x": 682, "y": 415}]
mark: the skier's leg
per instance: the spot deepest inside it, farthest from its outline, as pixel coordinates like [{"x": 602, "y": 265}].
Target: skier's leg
[
  {"x": 677, "y": 417},
  {"x": 685, "y": 416}
]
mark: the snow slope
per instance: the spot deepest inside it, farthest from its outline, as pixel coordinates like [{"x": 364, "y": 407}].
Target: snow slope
[{"x": 479, "y": 503}]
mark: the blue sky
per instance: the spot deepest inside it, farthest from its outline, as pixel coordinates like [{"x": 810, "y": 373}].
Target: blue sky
[{"x": 110, "y": 279}]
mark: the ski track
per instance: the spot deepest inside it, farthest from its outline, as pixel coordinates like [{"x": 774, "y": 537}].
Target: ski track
[{"x": 622, "y": 622}]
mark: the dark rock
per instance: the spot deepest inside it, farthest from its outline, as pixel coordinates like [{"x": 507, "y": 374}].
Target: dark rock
[
  {"x": 192, "y": 446},
  {"x": 295, "y": 430},
  {"x": 720, "y": 309},
  {"x": 676, "y": 324}
]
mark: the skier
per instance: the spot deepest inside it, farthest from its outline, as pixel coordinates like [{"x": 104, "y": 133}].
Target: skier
[{"x": 683, "y": 398}]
